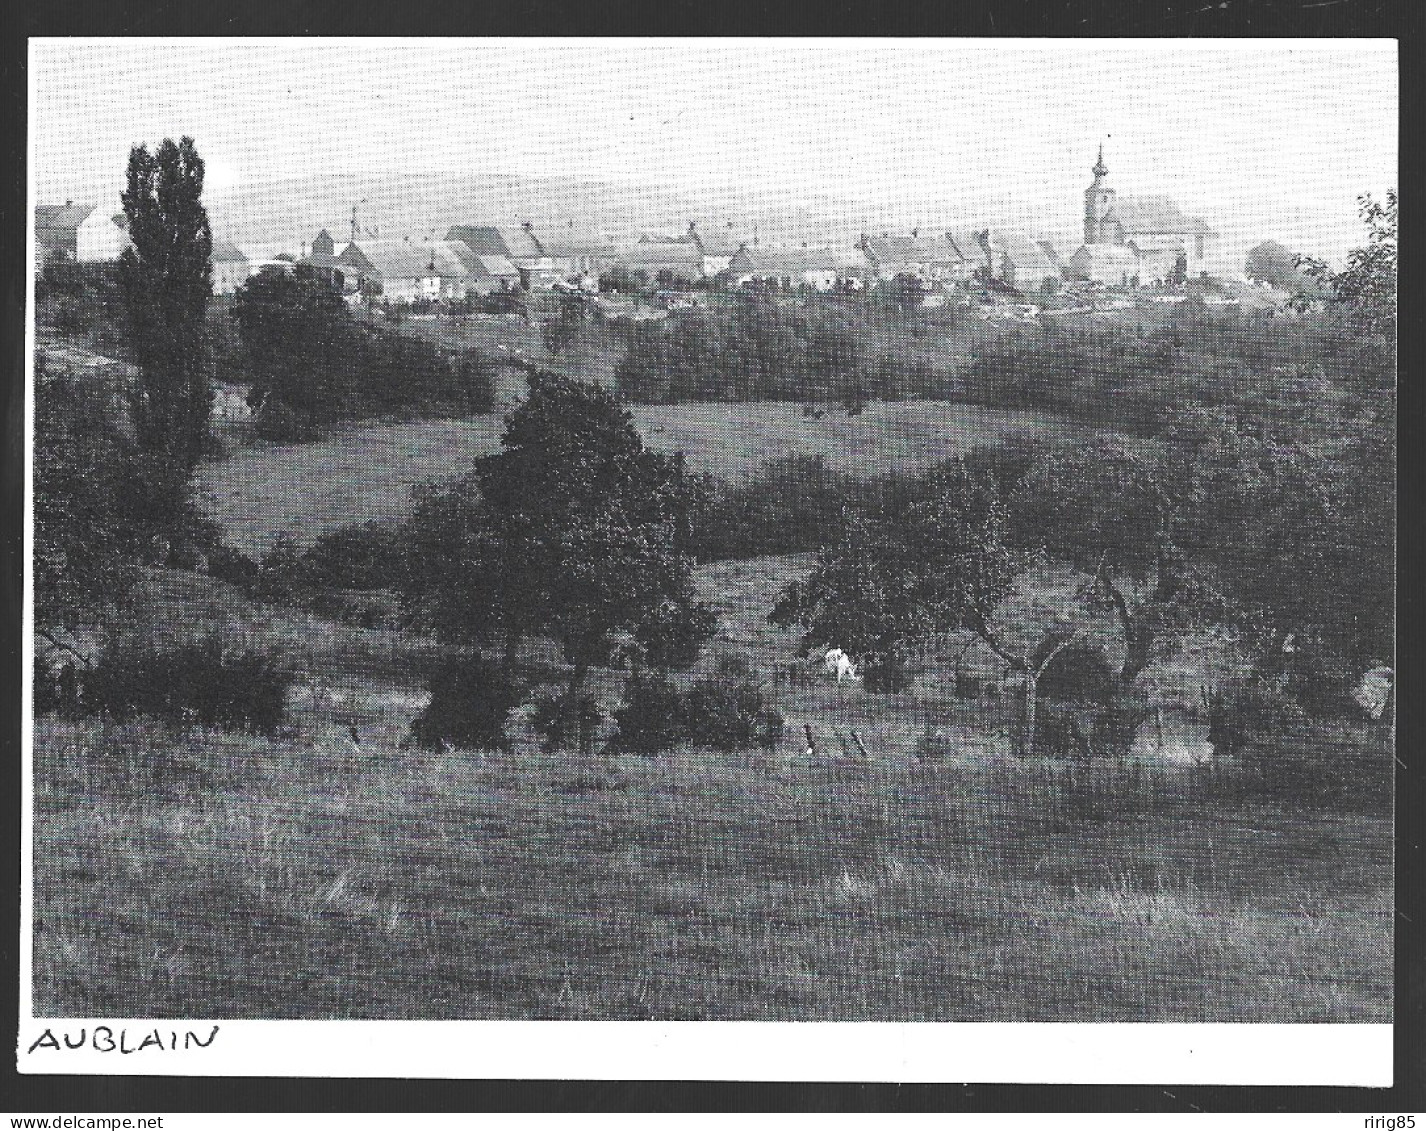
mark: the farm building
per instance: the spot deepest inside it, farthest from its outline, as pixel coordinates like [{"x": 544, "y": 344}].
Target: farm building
[
  {"x": 513, "y": 242},
  {"x": 790, "y": 268},
  {"x": 1018, "y": 261},
  {"x": 229, "y": 267},
  {"x": 681, "y": 258},
  {"x": 576, "y": 251},
  {"x": 1107, "y": 263},
  {"x": 975, "y": 255},
  {"x": 485, "y": 274},
  {"x": 928, "y": 258},
  {"x": 718, "y": 243},
  {"x": 83, "y": 233},
  {"x": 407, "y": 270}
]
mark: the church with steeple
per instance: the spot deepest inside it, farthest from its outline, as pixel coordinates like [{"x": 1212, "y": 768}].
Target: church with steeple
[{"x": 1135, "y": 240}]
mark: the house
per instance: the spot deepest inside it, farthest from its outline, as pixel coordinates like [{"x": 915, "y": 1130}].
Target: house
[
  {"x": 576, "y": 251},
  {"x": 680, "y": 257},
  {"x": 485, "y": 274},
  {"x": 718, "y": 243},
  {"x": 407, "y": 270},
  {"x": 228, "y": 267},
  {"x": 932, "y": 260},
  {"x": 81, "y": 233},
  {"x": 1161, "y": 259},
  {"x": 973, "y": 249},
  {"x": 1110, "y": 264},
  {"x": 784, "y": 268},
  {"x": 1018, "y": 261},
  {"x": 515, "y": 243},
  {"x": 323, "y": 262}
]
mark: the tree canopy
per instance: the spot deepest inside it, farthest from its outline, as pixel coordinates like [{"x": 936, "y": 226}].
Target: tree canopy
[{"x": 164, "y": 276}]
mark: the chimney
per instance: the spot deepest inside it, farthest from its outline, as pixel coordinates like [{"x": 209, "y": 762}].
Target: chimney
[
  {"x": 69, "y": 204},
  {"x": 915, "y": 232}
]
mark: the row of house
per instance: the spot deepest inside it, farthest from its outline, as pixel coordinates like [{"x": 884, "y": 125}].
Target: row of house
[{"x": 1128, "y": 240}]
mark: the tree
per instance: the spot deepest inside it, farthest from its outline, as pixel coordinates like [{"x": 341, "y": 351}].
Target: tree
[
  {"x": 85, "y": 469},
  {"x": 295, "y": 332},
  {"x": 164, "y": 276},
  {"x": 1114, "y": 512},
  {"x": 1271, "y": 263},
  {"x": 574, "y": 530},
  {"x": 1366, "y": 287}
]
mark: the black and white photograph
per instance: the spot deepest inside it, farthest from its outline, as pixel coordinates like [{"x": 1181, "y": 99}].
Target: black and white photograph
[{"x": 761, "y": 531}]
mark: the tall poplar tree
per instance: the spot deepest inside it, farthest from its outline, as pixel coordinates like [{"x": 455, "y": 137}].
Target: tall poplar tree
[{"x": 166, "y": 286}]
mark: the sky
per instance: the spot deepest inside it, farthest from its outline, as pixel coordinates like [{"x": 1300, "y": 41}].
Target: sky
[{"x": 1263, "y": 139}]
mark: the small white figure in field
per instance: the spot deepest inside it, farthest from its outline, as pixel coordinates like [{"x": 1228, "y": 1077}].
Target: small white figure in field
[
  {"x": 1374, "y": 690},
  {"x": 841, "y": 665}
]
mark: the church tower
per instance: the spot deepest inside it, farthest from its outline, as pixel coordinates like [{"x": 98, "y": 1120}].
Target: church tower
[{"x": 1098, "y": 200}]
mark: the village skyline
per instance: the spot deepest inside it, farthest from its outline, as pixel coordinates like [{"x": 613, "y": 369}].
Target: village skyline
[{"x": 289, "y": 136}]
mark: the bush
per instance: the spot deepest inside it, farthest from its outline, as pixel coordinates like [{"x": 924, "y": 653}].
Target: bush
[
  {"x": 470, "y": 699},
  {"x": 548, "y": 719},
  {"x": 651, "y": 720},
  {"x": 366, "y": 556},
  {"x": 204, "y": 683},
  {"x": 728, "y": 713},
  {"x": 282, "y": 424},
  {"x": 1250, "y": 719},
  {"x": 227, "y": 563},
  {"x": 283, "y": 575}
]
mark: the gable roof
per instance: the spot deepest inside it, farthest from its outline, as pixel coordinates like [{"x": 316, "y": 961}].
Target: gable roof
[
  {"x": 654, "y": 255},
  {"x": 790, "y": 262},
  {"x": 406, "y": 259},
  {"x": 1107, "y": 253},
  {"x": 1155, "y": 214},
  {"x": 511, "y": 241},
  {"x": 1024, "y": 252},
  {"x": 967, "y": 242},
  {"x": 226, "y": 252},
  {"x": 482, "y": 266},
  {"x": 721, "y": 239},
  {"x": 62, "y": 217},
  {"x": 572, "y": 239},
  {"x": 912, "y": 249}
]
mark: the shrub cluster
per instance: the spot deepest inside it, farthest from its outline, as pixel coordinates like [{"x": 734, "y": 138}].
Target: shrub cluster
[
  {"x": 470, "y": 699},
  {"x": 206, "y": 683},
  {"x": 726, "y": 712}
]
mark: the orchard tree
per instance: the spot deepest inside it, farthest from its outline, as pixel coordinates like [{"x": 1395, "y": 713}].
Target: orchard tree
[
  {"x": 573, "y": 530},
  {"x": 164, "y": 276},
  {"x": 1115, "y": 513}
]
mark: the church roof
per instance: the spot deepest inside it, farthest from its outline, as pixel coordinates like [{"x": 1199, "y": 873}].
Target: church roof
[{"x": 1155, "y": 214}]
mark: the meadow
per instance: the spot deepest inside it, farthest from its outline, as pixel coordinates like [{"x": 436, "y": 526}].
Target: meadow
[
  {"x": 366, "y": 471},
  {"x": 188, "y": 873}
]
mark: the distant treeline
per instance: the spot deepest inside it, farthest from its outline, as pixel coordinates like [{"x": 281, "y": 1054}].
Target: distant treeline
[{"x": 846, "y": 349}]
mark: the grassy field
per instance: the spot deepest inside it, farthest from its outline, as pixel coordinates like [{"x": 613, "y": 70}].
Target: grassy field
[
  {"x": 367, "y": 471},
  {"x": 180, "y": 873}
]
